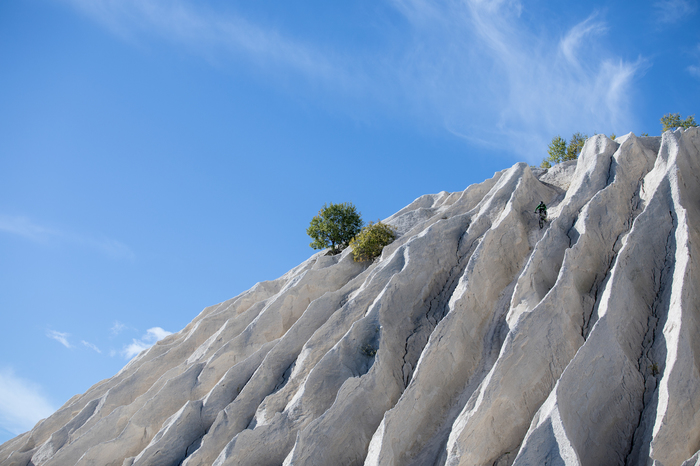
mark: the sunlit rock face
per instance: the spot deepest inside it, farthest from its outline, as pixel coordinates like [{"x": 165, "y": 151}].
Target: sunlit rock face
[{"x": 477, "y": 338}]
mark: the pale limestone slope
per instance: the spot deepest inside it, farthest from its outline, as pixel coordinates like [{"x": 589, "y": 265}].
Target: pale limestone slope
[{"x": 476, "y": 339}]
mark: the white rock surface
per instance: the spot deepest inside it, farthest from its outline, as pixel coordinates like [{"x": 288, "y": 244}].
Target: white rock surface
[{"x": 476, "y": 339}]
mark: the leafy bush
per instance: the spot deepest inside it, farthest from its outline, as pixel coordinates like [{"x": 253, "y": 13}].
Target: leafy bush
[
  {"x": 334, "y": 227},
  {"x": 369, "y": 243},
  {"x": 673, "y": 120}
]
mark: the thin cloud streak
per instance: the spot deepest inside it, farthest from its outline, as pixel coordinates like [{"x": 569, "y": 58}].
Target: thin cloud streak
[
  {"x": 91, "y": 346},
  {"x": 26, "y": 228},
  {"x": 694, "y": 70},
  {"x": 672, "y": 11},
  {"x": 22, "y": 403},
  {"x": 60, "y": 337},
  {"x": 572, "y": 42},
  {"x": 209, "y": 33}
]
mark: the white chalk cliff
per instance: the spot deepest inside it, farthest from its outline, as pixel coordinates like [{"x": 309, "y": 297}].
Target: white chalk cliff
[{"x": 475, "y": 339}]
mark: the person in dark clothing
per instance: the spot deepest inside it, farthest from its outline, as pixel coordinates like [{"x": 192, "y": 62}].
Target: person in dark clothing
[{"x": 542, "y": 210}]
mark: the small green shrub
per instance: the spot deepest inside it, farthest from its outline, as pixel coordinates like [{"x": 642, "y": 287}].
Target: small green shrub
[
  {"x": 673, "y": 120},
  {"x": 369, "y": 243},
  {"x": 334, "y": 227}
]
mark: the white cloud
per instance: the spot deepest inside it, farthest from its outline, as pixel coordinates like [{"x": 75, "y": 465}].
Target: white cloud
[
  {"x": 158, "y": 333},
  {"x": 91, "y": 346},
  {"x": 134, "y": 348},
  {"x": 149, "y": 339},
  {"x": 206, "y": 32},
  {"x": 572, "y": 42},
  {"x": 694, "y": 70},
  {"x": 483, "y": 70},
  {"x": 478, "y": 66},
  {"x": 671, "y": 11},
  {"x": 26, "y": 228},
  {"x": 117, "y": 328},
  {"x": 22, "y": 403},
  {"x": 60, "y": 337}
]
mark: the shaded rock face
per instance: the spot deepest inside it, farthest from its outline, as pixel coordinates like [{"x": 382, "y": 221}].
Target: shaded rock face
[{"x": 476, "y": 339}]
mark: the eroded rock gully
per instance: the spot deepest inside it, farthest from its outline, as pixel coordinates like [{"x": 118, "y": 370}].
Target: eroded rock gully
[{"x": 476, "y": 339}]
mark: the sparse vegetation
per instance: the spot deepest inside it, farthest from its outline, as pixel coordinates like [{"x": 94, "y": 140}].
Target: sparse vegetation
[
  {"x": 369, "y": 243},
  {"x": 369, "y": 350},
  {"x": 654, "y": 369},
  {"x": 673, "y": 120},
  {"x": 334, "y": 227},
  {"x": 575, "y": 146},
  {"x": 559, "y": 151}
]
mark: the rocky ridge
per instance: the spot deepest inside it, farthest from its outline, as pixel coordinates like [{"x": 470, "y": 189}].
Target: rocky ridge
[{"x": 475, "y": 339}]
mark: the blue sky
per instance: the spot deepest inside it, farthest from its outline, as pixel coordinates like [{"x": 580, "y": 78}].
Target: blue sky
[{"x": 157, "y": 157}]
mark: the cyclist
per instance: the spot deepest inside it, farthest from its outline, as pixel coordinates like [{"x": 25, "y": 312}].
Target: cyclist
[{"x": 542, "y": 210}]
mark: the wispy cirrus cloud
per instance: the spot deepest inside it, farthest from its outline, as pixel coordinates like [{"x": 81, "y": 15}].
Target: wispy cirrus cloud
[
  {"x": 22, "y": 403},
  {"x": 60, "y": 337},
  {"x": 478, "y": 66},
  {"x": 152, "y": 336},
  {"x": 27, "y": 228},
  {"x": 24, "y": 227},
  {"x": 91, "y": 346},
  {"x": 117, "y": 328},
  {"x": 572, "y": 42},
  {"x": 209, "y": 33},
  {"x": 694, "y": 70},
  {"x": 672, "y": 11},
  {"x": 493, "y": 77}
]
